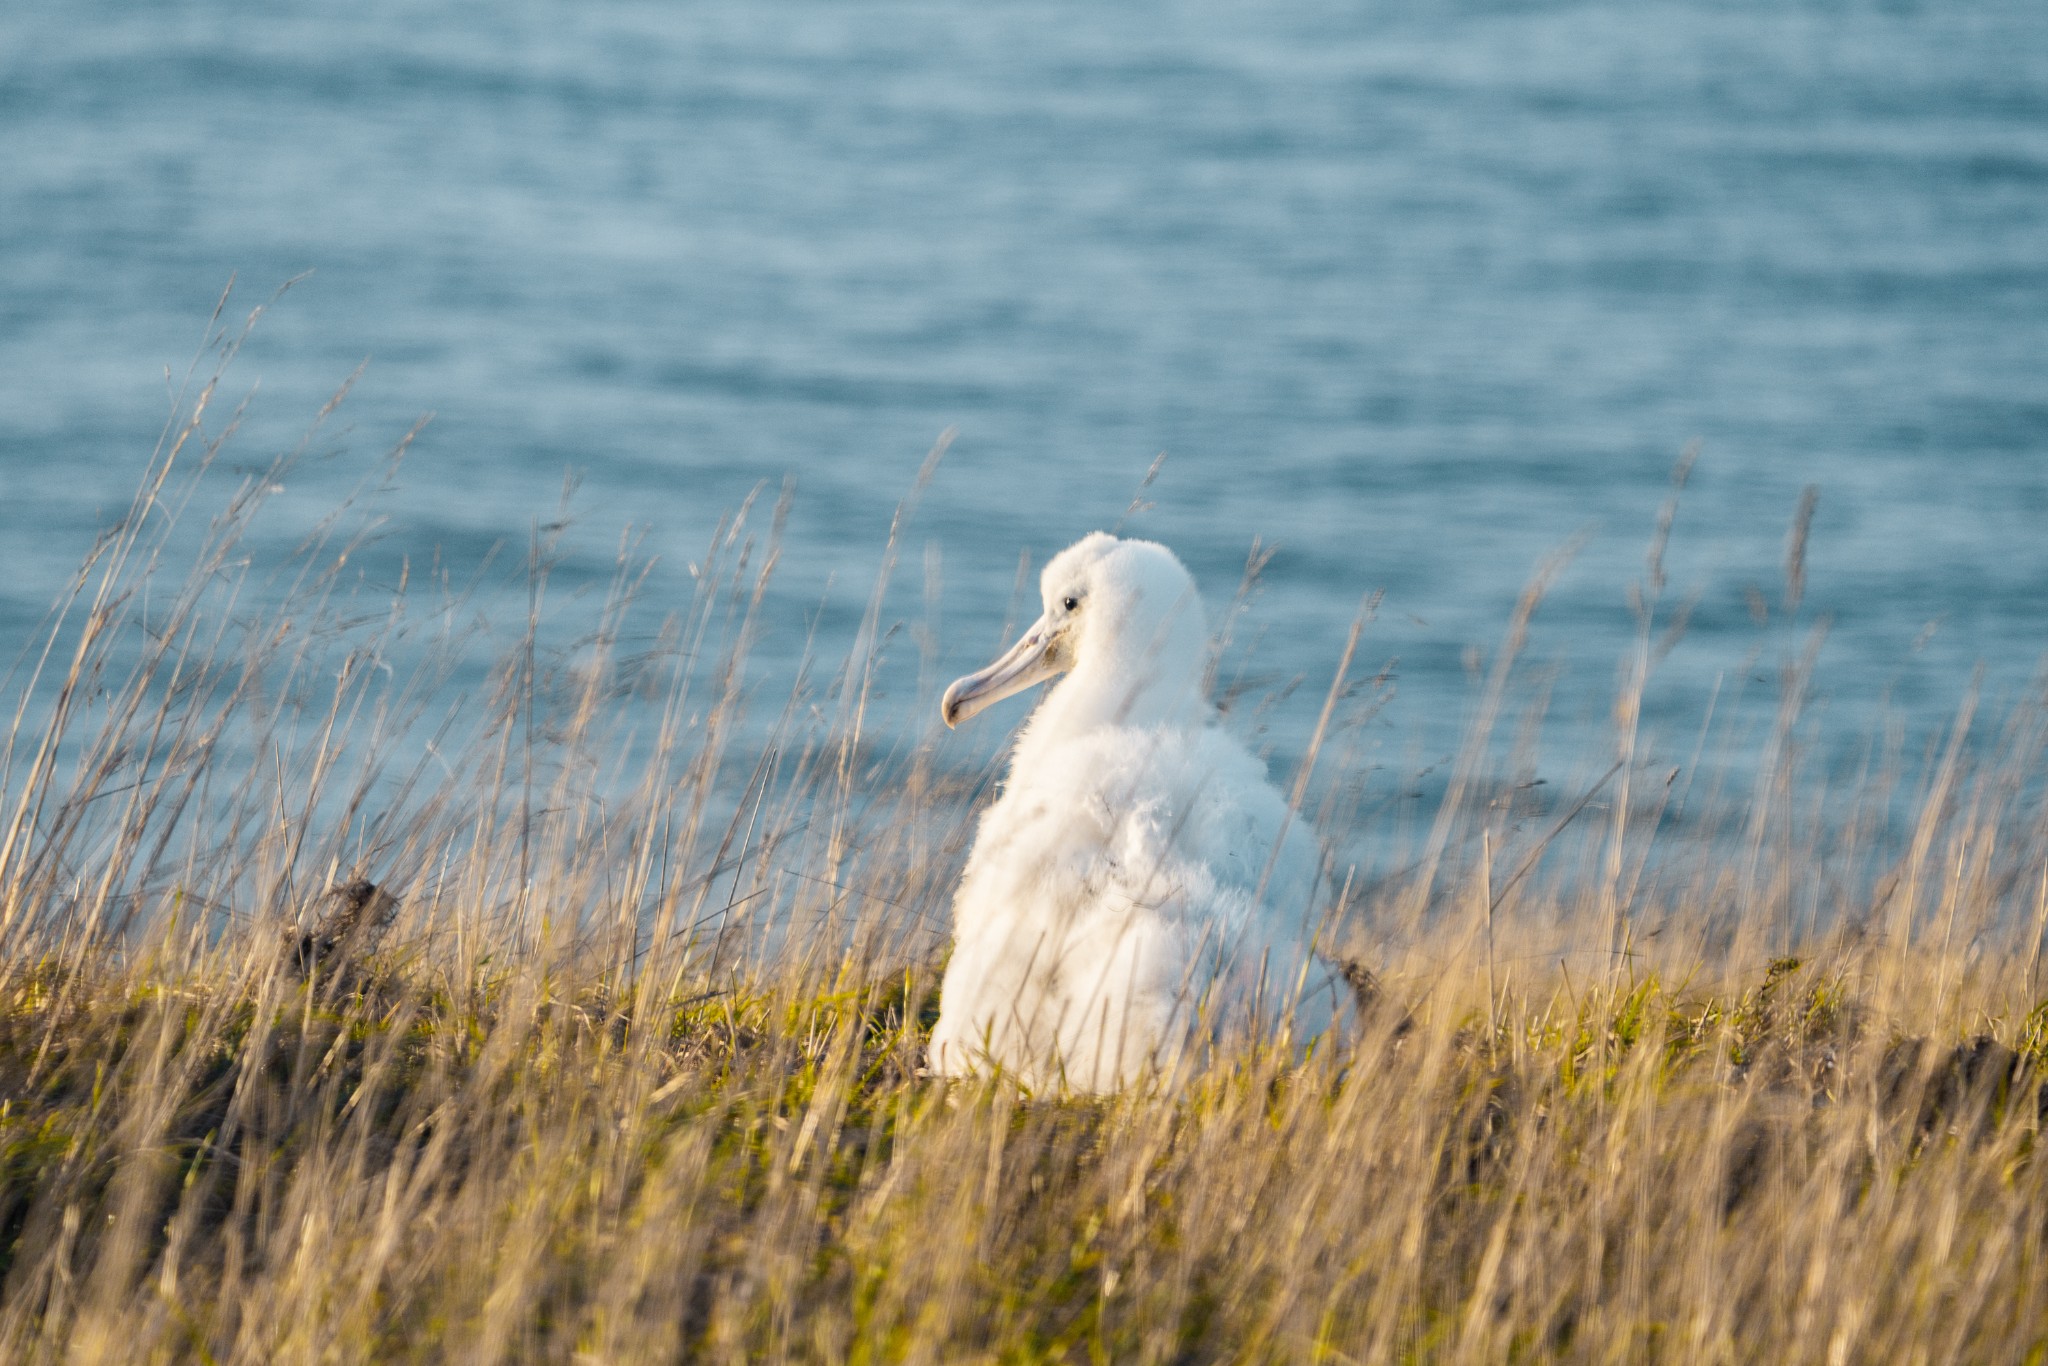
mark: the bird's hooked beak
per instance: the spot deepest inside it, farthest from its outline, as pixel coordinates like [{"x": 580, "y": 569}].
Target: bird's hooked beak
[{"x": 1033, "y": 659}]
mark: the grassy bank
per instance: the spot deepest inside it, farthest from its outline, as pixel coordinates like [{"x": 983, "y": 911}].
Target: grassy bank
[
  {"x": 223, "y": 1161},
  {"x": 621, "y": 1060}
]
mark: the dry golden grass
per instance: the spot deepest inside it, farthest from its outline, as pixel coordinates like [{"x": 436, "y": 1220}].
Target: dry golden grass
[{"x": 632, "y": 1073}]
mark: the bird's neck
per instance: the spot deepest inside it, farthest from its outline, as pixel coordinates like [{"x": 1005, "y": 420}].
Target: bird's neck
[{"x": 1089, "y": 699}]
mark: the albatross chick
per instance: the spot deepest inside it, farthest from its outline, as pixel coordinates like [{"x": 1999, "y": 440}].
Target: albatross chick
[{"x": 1138, "y": 885}]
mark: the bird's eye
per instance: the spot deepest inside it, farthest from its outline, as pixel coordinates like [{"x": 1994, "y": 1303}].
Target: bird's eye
[{"x": 1071, "y": 603}]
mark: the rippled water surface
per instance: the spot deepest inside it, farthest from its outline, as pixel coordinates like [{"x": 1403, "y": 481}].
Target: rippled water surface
[{"x": 1419, "y": 293}]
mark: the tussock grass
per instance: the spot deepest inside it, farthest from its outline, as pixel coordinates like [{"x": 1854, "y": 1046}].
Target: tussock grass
[{"x": 627, "y": 1066}]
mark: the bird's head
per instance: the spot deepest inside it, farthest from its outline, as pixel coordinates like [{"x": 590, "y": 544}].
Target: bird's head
[{"x": 1123, "y": 613}]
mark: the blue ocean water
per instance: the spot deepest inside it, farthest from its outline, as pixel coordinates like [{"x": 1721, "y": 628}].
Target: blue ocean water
[{"x": 1417, "y": 294}]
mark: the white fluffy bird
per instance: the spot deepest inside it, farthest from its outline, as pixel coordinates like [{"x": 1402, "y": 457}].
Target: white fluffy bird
[{"x": 1139, "y": 884}]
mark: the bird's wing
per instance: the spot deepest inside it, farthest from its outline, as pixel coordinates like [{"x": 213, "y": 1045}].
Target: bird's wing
[
  {"x": 1209, "y": 843},
  {"x": 1266, "y": 850},
  {"x": 1266, "y": 864}
]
